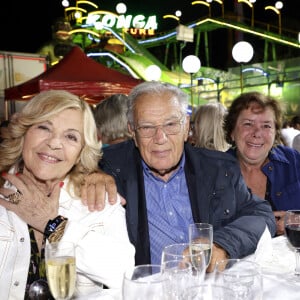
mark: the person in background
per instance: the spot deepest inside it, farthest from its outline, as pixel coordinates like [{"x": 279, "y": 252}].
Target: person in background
[
  {"x": 50, "y": 148},
  {"x": 270, "y": 169},
  {"x": 288, "y": 133},
  {"x": 168, "y": 183},
  {"x": 295, "y": 122},
  {"x": 208, "y": 126},
  {"x": 111, "y": 119},
  {"x": 296, "y": 142},
  {"x": 3, "y": 128}
]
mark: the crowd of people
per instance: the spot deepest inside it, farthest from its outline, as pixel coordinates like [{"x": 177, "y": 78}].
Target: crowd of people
[{"x": 128, "y": 175}]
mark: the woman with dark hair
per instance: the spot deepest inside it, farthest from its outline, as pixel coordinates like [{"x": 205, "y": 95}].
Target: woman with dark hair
[{"x": 270, "y": 169}]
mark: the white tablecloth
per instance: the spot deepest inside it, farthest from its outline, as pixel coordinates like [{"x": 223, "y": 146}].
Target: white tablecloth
[{"x": 277, "y": 259}]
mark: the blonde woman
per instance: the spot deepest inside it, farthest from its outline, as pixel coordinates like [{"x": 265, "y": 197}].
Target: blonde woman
[
  {"x": 46, "y": 153},
  {"x": 208, "y": 126}
]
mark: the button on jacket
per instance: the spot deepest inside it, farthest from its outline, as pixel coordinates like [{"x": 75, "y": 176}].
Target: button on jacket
[{"x": 218, "y": 195}]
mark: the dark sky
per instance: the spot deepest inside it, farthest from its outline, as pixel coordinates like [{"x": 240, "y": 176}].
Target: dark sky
[{"x": 26, "y": 24}]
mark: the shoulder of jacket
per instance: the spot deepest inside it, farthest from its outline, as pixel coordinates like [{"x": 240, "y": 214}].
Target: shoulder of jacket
[{"x": 208, "y": 154}]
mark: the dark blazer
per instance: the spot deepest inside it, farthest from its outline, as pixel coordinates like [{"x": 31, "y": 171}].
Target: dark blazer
[{"x": 218, "y": 195}]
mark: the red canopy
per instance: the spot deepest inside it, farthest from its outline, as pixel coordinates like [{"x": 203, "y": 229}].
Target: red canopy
[{"x": 79, "y": 74}]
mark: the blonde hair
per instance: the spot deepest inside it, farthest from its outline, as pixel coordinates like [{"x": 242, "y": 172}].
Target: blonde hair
[
  {"x": 208, "y": 126},
  {"x": 41, "y": 108}
]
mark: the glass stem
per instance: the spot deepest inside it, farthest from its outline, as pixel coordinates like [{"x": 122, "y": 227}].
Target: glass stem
[{"x": 297, "y": 255}]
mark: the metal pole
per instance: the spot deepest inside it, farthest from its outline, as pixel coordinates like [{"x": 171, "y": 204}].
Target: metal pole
[
  {"x": 241, "y": 78},
  {"x": 192, "y": 100}
]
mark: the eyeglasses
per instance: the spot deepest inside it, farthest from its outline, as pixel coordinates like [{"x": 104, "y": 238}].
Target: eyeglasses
[{"x": 170, "y": 128}]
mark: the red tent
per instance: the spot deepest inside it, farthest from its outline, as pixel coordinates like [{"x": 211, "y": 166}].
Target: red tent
[{"x": 79, "y": 74}]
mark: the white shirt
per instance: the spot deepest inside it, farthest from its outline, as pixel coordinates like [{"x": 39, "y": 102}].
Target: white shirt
[
  {"x": 288, "y": 134},
  {"x": 103, "y": 249},
  {"x": 296, "y": 142}
]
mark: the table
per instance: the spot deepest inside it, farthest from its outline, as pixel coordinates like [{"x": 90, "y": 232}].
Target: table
[{"x": 276, "y": 258}]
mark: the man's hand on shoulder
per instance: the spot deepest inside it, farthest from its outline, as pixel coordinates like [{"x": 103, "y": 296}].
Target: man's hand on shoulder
[{"x": 93, "y": 191}]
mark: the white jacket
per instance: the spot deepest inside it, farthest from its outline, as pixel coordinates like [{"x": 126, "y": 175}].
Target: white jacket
[{"x": 103, "y": 249}]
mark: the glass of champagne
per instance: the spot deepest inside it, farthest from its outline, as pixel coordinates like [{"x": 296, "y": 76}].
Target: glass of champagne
[
  {"x": 61, "y": 269},
  {"x": 292, "y": 232},
  {"x": 201, "y": 239}
]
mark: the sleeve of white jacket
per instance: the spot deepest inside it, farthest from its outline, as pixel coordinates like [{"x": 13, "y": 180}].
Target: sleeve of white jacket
[{"x": 103, "y": 249}]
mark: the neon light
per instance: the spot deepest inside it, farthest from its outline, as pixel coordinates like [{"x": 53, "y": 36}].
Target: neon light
[
  {"x": 273, "y": 8},
  {"x": 75, "y": 8},
  {"x": 171, "y": 17},
  {"x": 170, "y": 35},
  {"x": 201, "y": 2},
  {"x": 247, "y": 2},
  {"x": 115, "y": 59},
  {"x": 249, "y": 31},
  {"x": 86, "y": 2},
  {"x": 258, "y": 70},
  {"x": 84, "y": 31}
]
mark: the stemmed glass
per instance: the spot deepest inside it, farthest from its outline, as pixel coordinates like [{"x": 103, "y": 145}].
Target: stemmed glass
[
  {"x": 242, "y": 276},
  {"x": 292, "y": 232},
  {"x": 61, "y": 269},
  {"x": 201, "y": 239},
  {"x": 178, "y": 276},
  {"x": 143, "y": 282},
  {"x": 181, "y": 252}
]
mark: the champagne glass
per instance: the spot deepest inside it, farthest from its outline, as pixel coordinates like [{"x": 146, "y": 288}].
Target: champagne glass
[
  {"x": 144, "y": 282},
  {"x": 201, "y": 239},
  {"x": 292, "y": 232},
  {"x": 181, "y": 251},
  {"x": 61, "y": 269},
  {"x": 242, "y": 276}
]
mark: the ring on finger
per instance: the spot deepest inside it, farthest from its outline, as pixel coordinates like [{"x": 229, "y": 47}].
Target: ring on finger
[{"x": 15, "y": 198}]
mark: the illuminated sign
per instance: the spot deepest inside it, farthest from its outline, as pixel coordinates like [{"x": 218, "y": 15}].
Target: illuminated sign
[{"x": 134, "y": 25}]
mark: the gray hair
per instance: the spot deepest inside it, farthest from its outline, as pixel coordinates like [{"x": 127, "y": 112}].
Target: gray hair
[
  {"x": 155, "y": 87},
  {"x": 111, "y": 117}
]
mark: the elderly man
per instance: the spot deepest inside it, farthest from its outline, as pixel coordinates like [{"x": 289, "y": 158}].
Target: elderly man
[{"x": 169, "y": 184}]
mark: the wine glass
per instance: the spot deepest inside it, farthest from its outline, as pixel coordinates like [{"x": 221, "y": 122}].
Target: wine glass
[
  {"x": 61, "y": 269},
  {"x": 178, "y": 274},
  {"x": 144, "y": 282},
  {"x": 242, "y": 276},
  {"x": 292, "y": 232},
  {"x": 181, "y": 251},
  {"x": 201, "y": 239},
  {"x": 209, "y": 292}
]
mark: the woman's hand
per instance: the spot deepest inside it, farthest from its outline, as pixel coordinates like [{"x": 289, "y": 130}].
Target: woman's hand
[
  {"x": 35, "y": 206},
  {"x": 95, "y": 188}
]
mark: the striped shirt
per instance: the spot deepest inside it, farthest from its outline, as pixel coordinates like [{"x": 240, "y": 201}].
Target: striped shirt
[{"x": 168, "y": 210}]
